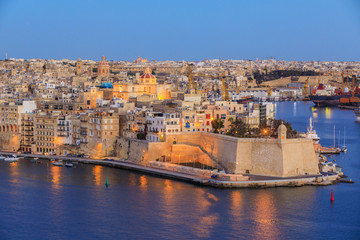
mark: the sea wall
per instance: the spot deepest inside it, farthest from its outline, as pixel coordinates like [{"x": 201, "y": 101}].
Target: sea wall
[
  {"x": 140, "y": 151},
  {"x": 9, "y": 141},
  {"x": 269, "y": 157}
]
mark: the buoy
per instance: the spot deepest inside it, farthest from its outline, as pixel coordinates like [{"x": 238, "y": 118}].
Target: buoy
[
  {"x": 107, "y": 182},
  {"x": 332, "y": 196}
]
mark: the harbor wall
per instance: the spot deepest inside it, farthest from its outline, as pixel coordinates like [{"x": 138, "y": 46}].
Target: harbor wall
[
  {"x": 9, "y": 141},
  {"x": 140, "y": 151},
  {"x": 268, "y": 157}
]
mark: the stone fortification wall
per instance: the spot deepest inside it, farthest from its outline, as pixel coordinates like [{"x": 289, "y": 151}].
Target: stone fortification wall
[
  {"x": 313, "y": 81},
  {"x": 182, "y": 153},
  {"x": 96, "y": 148},
  {"x": 139, "y": 151},
  {"x": 270, "y": 157},
  {"x": 9, "y": 141}
]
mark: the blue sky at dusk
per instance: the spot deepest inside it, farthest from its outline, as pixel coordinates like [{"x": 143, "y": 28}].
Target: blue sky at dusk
[{"x": 181, "y": 30}]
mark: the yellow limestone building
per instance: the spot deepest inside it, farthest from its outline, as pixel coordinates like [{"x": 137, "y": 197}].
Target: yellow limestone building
[{"x": 146, "y": 85}]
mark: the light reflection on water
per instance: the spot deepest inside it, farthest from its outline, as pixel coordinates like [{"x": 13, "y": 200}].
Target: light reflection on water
[
  {"x": 143, "y": 183},
  {"x": 205, "y": 218},
  {"x": 55, "y": 172},
  {"x": 14, "y": 171},
  {"x": 97, "y": 170},
  {"x": 328, "y": 113},
  {"x": 265, "y": 216}
]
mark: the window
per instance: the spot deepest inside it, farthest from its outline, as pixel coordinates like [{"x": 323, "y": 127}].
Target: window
[{"x": 88, "y": 102}]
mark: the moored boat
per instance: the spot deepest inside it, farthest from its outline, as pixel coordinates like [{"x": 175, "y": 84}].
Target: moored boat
[
  {"x": 311, "y": 133},
  {"x": 69, "y": 164},
  {"x": 57, "y": 163},
  {"x": 12, "y": 158}
]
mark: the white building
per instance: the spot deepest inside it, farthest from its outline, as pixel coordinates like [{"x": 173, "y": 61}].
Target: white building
[{"x": 161, "y": 125}]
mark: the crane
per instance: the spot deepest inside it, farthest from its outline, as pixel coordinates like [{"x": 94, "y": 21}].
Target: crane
[
  {"x": 306, "y": 88},
  {"x": 193, "y": 85}
]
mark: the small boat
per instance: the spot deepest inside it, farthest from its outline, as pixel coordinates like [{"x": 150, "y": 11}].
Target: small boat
[
  {"x": 69, "y": 165},
  {"x": 311, "y": 133},
  {"x": 36, "y": 158},
  {"x": 344, "y": 148},
  {"x": 13, "y": 158},
  {"x": 2, "y": 157},
  {"x": 57, "y": 163}
]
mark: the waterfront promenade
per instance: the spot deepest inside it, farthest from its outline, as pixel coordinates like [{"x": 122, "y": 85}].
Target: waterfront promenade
[{"x": 254, "y": 181}]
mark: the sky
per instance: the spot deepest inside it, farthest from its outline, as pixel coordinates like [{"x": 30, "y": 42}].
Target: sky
[{"x": 302, "y": 30}]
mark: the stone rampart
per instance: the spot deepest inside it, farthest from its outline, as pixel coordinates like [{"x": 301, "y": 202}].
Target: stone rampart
[{"x": 269, "y": 157}]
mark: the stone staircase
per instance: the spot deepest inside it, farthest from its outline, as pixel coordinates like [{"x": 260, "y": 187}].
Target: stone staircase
[{"x": 204, "y": 151}]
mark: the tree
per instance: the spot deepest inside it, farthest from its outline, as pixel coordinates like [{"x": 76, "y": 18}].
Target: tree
[
  {"x": 217, "y": 124},
  {"x": 238, "y": 129},
  {"x": 141, "y": 136},
  {"x": 275, "y": 123}
]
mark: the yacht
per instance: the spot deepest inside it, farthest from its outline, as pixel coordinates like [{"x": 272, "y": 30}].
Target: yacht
[
  {"x": 12, "y": 158},
  {"x": 311, "y": 133},
  {"x": 344, "y": 148}
]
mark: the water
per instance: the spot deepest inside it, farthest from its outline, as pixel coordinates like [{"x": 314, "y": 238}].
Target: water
[{"x": 41, "y": 201}]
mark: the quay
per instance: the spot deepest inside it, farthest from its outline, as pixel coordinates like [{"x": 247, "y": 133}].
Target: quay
[{"x": 255, "y": 181}]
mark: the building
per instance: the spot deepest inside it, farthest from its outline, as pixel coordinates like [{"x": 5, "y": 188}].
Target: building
[
  {"x": 103, "y": 68},
  {"x": 162, "y": 125}
]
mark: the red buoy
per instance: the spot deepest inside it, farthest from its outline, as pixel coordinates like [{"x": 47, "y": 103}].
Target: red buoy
[{"x": 332, "y": 196}]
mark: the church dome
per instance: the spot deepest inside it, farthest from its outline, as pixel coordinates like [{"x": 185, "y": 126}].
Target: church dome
[{"x": 147, "y": 77}]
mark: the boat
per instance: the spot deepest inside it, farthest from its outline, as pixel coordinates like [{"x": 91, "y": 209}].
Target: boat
[
  {"x": 338, "y": 149},
  {"x": 36, "y": 158},
  {"x": 12, "y": 158},
  {"x": 311, "y": 133},
  {"x": 69, "y": 164},
  {"x": 2, "y": 157},
  {"x": 344, "y": 148},
  {"x": 57, "y": 163},
  {"x": 357, "y": 114},
  {"x": 326, "y": 95}
]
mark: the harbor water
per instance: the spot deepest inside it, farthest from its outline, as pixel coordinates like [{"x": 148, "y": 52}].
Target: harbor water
[{"x": 42, "y": 201}]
